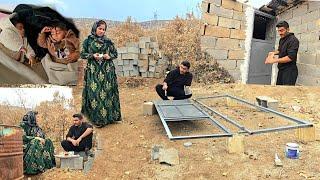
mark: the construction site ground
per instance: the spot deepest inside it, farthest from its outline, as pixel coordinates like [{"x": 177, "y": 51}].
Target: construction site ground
[{"x": 127, "y": 146}]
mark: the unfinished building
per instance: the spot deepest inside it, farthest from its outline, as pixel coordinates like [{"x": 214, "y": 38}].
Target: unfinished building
[{"x": 239, "y": 37}]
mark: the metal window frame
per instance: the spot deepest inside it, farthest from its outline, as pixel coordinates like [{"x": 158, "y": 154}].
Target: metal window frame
[
  {"x": 164, "y": 120},
  {"x": 300, "y": 123}
]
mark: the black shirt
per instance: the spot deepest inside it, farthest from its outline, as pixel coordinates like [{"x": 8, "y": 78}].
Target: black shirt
[
  {"x": 288, "y": 46},
  {"x": 76, "y": 131},
  {"x": 175, "y": 79}
]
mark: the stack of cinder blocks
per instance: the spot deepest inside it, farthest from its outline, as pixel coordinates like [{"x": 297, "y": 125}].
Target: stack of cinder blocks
[
  {"x": 141, "y": 58},
  {"x": 223, "y": 33}
]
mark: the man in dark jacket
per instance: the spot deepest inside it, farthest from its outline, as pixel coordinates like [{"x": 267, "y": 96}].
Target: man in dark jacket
[
  {"x": 287, "y": 51},
  {"x": 177, "y": 83},
  {"x": 79, "y": 137}
]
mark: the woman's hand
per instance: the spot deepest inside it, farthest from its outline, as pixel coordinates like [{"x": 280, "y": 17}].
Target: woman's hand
[
  {"x": 96, "y": 56},
  {"x": 46, "y": 29},
  {"x": 106, "y": 56}
]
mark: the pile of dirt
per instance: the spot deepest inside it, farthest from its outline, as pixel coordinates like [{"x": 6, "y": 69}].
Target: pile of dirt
[{"x": 208, "y": 73}]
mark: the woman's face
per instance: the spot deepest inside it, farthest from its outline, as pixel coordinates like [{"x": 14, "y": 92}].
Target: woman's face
[
  {"x": 20, "y": 28},
  {"x": 58, "y": 34},
  {"x": 101, "y": 30}
]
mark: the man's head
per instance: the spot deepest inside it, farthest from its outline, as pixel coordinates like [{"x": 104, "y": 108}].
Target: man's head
[
  {"x": 184, "y": 67},
  {"x": 283, "y": 28},
  {"x": 77, "y": 119},
  {"x": 59, "y": 31}
]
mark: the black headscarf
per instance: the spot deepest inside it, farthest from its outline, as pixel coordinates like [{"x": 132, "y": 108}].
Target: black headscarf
[{"x": 30, "y": 120}]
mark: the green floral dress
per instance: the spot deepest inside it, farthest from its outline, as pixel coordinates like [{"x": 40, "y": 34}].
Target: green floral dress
[
  {"x": 37, "y": 157},
  {"x": 100, "y": 96}
]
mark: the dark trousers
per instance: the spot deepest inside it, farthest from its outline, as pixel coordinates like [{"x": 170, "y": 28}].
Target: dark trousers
[
  {"x": 287, "y": 76},
  {"x": 68, "y": 146},
  {"x": 176, "y": 93}
]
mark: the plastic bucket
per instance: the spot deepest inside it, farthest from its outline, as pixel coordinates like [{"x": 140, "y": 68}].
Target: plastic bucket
[{"x": 292, "y": 150}]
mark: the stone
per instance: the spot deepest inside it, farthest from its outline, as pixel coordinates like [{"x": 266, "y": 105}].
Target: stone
[
  {"x": 122, "y": 50},
  {"x": 237, "y": 34},
  {"x": 130, "y": 56},
  {"x": 229, "y": 23},
  {"x": 155, "y": 152},
  {"x": 230, "y": 4},
  {"x": 217, "y": 54},
  {"x": 187, "y": 144},
  {"x": 228, "y": 44},
  {"x": 149, "y": 108},
  {"x": 132, "y": 44},
  {"x": 169, "y": 156},
  {"x": 208, "y": 41},
  {"x": 235, "y": 144},
  {"x": 210, "y": 19},
  {"x": 236, "y": 54},
  {"x": 217, "y": 31},
  {"x": 277, "y": 161},
  {"x": 135, "y": 50},
  {"x": 221, "y": 12},
  {"x": 88, "y": 165},
  {"x": 267, "y": 102},
  {"x": 147, "y": 39}
]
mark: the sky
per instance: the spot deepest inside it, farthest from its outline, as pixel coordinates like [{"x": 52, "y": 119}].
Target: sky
[
  {"x": 119, "y": 10},
  {"x": 31, "y": 96}
]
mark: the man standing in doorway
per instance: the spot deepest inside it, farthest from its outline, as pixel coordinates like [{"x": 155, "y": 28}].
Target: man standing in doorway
[{"x": 287, "y": 51}]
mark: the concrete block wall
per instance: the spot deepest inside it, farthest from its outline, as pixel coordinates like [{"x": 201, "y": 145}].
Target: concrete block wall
[
  {"x": 141, "y": 58},
  {"x": 304, "y": 21},
  {"x": 223, "y": 33}
]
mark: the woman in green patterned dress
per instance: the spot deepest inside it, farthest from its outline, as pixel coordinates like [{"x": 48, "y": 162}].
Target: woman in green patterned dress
[
  {"x": 38, "y": 152},
  {"x": 100, "y": 96}
]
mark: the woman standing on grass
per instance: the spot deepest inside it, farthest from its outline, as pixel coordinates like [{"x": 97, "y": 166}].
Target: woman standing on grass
[{"x": 100, "y": 96}]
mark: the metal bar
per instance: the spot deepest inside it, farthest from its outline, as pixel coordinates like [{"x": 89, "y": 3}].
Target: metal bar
[
  {"x": 283, "y": 128},
  {"x": 200, "y": 136},
  {"x": 225, "y": 117},
  {"x": 270, "y": 110},
  {"x": 175, "y": 104},
  {"x": 210, "y": 97},
  {"x": 164, "y": 123},
  {"x": 216, "y": 122},
  {"x": 183, "y": 119}
]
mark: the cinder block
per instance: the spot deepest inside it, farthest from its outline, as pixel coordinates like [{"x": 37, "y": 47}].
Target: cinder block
[
  {"x": 130, "y": 56},
  {"x": 230, "y": 4},
  {"x": 286, "y": 14},
  {"x": 152, "y": 68},
  {"x": 229, "y": 23},
  {"x": 213, "y": 2},
  {"x": 217, "y": 31},
  {"x": 154, "y": 45},
  {"x": 134, "y": 73},
  {"x": 210, "y": 19},
  {"x": 235, "y": 144},
  {"x": 144, "y": 51},
  {"x": 237, "y": 34},
  {"x": 150, "y": 74},
  {"x": 120, "y": 73},
  {"x": 239, "y": 16},
  {"x": 135, "y": 50},
  {"x": 228, "y": 44},
  {"x": 126, "y": 62},
  {"x": 221, "y": 12},
  {"x": 135, "y": 62},
  {"x": 144, "y": 74},
  {"x": 88, "y": 165},
  {"x": 122, "y": 50},
  {"x": 120, "y": 62},
  {"x": 142, "y": 44},
  {"x": 307, "y": 58},
  {"x": 127, "y": 68},
  {"x": 267, "y": 102},
  {"x": 149, "y": 108},
  {"x": 217, "y": 54},
  {"x": 143, "y": 56},
  {"x": 236, "y": 54},
  {"x": 143, "y": 69},
  {"x": 71, "y": 162},
  {"x": 208, "y": 41},
  {"x": 306, "y": 134},
  {"x": 126, "y": 73},
  {"x": 143, "y": 62}
]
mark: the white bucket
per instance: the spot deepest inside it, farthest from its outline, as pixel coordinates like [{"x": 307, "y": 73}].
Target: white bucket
[{"x": 292, "y": 150}]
